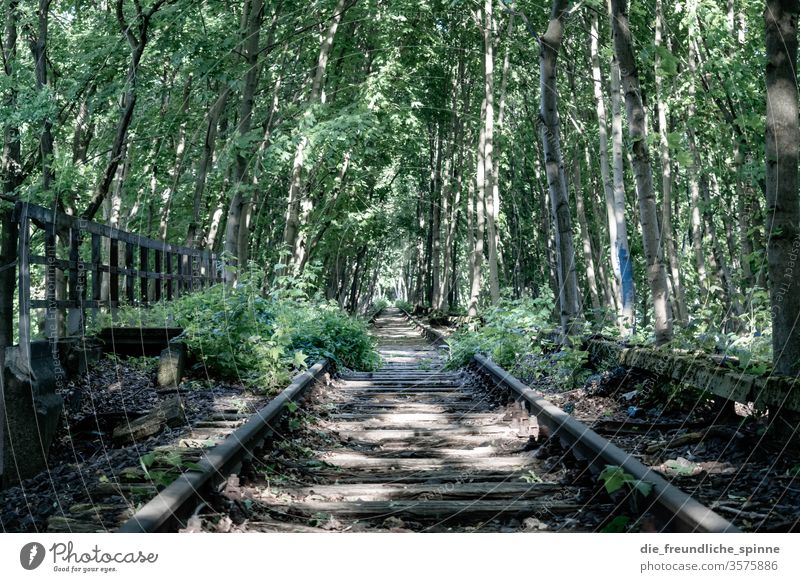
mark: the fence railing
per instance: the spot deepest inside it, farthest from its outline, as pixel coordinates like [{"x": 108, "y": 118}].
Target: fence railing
[{"x": 88, "y": 265}]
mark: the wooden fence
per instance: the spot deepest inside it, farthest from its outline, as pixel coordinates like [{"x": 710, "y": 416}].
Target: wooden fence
[{"x": 93, "y": 265}]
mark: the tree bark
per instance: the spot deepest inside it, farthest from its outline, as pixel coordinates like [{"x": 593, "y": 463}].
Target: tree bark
[
  {"x": 648, "y": 211},
  {"x": 177, "y": 169},
  {"x": 292, "y": 235},
  {"x": 622, "y": 251},
  {"x": 479, "y": 218},
  {"x": 666, "y": 176},
  {"x": 38, "y": 46},
  {"x": 137, "y": 46},
  {"x": 605, "y": 172},
  {"x": 204, "y": 165},
  {"x": 251, "y": 27},
  {"x": 783, "y": 206},
  {"x": 11, "y": 179},
  {"x": 492, "y": 206},
  {"x": 580, "y": 209},
  {"x": 696, "y": 167},
  {"x": 549, "y": 45}
]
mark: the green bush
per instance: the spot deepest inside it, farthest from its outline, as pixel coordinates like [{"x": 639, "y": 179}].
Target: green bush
[
  {"x": 518, "y": 335},
  {"x": 241, "y": 335},
  {"x": 507, "y": 333}
]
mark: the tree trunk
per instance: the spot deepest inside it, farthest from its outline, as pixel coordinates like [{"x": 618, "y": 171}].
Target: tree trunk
[
  {"x": 549, "y": 45},
  {"x": 177, "y": 169},
  {"x": 783, "y": 207},
  {"x": 492, "y": 209},
  {"x": 648, "y": 211},
  {"x": 251, "y": 27},
  {"x": 605, "y": 173},
  {"x": 666, "y": 177},
  {"x": 11, "y": 180},
  {"x": 696, "y": 167},
  {"x": 137, "y": 46},
  {"x": 480, "y": 195},
  {"x": 580, "y": 209},
  {"x": 38, "y": 46},
  {"x": 292, "y": 237},
  {"x": 621, "y": 248},
  {"x": 204, "y": 165}
]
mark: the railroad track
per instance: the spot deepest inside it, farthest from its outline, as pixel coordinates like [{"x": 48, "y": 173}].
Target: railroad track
[{"x": 414, "y": 447}]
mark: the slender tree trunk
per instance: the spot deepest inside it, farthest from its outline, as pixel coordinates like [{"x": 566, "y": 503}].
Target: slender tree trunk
[
  {"x": 204, "y": 165},
  {"x": 479, "y": 216},
  {"x": 38, "y": 46},
  {"x": 783, "y": 206},
  {"x": 137, "y": 45},
  {"x": 605, "y": 172},
  {"x": 11, "y": 177},
  {"x": 492, "y": 209},
  {"x": 696, "y": 167},
  {"x": 435, "y": 218},
  {"x": 84, "y": 129},
  {"x": 679, "y": 299},
  {"x": 622, "y": 249},
  {"x": 549, "y": 45},
  {"x": 292, "y": 236},
  {"x": 648, "y": 212},
  {"x": 499, "y": 126},
  {"x": 177, "y": 169},
  {"x": 580, "y": 209},
  {"x": 252, "y": 17}
]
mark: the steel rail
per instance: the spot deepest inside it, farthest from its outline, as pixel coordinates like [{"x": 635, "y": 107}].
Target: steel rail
[
  {"x": 172, "y": 504},
  {"x": 679, "y": 510}
]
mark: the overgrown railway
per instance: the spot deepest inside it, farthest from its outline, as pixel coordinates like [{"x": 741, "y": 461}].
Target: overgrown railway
[{"x": 413, "y": 447}]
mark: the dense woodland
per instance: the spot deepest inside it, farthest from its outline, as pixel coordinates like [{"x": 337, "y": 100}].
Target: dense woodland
[{"x": 638, "y": 165}]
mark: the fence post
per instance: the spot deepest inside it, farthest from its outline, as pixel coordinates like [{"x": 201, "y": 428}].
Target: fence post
[
  {"x": 51, "y": 311},
  {"x": 130, "y": 267},
  {"x": 24, "y": 287},
  {"x": 76, "y": 282},
  {"x": 144, "y": 267},
  {"x": 97, "y": 273},
  {"x": 168, "y": 271},
  {"x": 113, "y": 277}
]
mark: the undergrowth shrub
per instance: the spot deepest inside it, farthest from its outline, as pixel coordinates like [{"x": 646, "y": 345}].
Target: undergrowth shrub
[
  {"x": 519, "y": 335},
  {"x": 241, "y": 335}
]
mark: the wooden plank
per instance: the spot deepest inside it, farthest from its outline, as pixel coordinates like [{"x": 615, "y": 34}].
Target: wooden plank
[
  {"x": 51, "y": 310},
  {"x": 129, "y": 267},
  {"x": 168, "y": 272},
  {"x": 157, "y": 267},
  {"x": 76, "y": 285},
  {"x": 24, "y": 282},
  {"x": 97, "y": 275},
  {"x": 479, "y": 491},
  {"x": 64, "y": 222},
  {"x": 113, "y": 264},
  {"x": 366, "y": 463},
  {"x": 143, "y": 267},
  {"x": 446, "y": 510}
]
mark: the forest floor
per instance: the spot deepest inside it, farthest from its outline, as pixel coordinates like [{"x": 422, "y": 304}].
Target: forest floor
[{"x": 93, "y": 483}]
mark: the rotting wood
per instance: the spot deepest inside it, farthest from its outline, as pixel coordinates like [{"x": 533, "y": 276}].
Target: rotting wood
[{"x": 167, "y": 413}]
